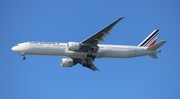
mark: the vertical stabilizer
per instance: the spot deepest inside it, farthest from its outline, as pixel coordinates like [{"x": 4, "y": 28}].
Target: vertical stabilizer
[{"x": 150, "y": 40}]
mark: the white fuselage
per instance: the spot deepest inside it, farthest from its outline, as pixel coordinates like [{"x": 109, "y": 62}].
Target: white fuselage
[{"x": 60, "y": 49}]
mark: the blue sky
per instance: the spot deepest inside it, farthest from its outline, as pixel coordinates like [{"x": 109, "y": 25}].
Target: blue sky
[{"x": 65, "y": 20}]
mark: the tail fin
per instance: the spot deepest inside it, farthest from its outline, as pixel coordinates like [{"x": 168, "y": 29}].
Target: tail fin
[
  {"x": 154, "y": 48},
  {"x": 150, "y": 40}
]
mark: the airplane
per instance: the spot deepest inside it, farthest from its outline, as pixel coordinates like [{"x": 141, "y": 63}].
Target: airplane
[{"x": 86, "y": 51}]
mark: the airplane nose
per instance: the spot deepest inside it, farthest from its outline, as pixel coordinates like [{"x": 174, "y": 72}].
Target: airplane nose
[{"x": 13, "y": 49}]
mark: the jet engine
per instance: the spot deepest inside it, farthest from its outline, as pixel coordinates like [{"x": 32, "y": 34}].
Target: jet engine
[
  {"x": 67, "y": 62},
  {"x": 73, "y": 46}
]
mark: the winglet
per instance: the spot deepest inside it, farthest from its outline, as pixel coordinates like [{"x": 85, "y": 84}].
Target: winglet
[{"x": 115, "y": 22}]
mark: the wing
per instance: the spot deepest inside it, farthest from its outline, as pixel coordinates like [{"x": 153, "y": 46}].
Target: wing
[
  {"x": 99, "y": 36},
  {"x": 90, "y": 45},
  {"x": 86, "y": 63}
]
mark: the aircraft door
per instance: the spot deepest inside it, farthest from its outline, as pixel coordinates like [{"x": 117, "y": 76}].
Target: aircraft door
[
  {"x": 134, "y": 51},
  {"x": 30, "y": 44},
  {"x": 108, "y": 48}
]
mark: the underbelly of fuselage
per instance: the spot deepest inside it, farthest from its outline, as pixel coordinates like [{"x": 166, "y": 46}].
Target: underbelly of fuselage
[{"x": 76, "y": 54}]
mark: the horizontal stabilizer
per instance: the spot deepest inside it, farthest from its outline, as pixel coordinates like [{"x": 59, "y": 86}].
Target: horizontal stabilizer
[
  {"x": 156, "y": 46},
  {"x": 153, "y": 56}
]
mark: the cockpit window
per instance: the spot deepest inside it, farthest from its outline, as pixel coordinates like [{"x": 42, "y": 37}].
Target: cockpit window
[{"x": 17, "y": 45}]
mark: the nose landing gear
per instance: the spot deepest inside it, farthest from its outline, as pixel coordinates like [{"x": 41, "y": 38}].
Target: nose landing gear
[{"x": 24, "y": 57}]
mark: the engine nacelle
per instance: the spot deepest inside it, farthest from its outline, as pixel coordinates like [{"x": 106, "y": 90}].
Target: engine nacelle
[
  {"x": 67, "y": 62},
  {"x": 73, "y": 46}
]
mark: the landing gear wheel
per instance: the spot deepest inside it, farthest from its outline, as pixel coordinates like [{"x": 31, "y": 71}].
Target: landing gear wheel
[
  {"x": 89, "y": 55},
  {"x": 24, "y": 58},
  {"x": 93, "y": 57},
  {"x": 88, "y": 65},
  {"x": 84, "y": 64}
]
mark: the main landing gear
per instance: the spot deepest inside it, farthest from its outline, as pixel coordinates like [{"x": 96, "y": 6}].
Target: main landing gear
[
  {"x": 24, "y": 57},
  {"x": 91, "y": 53},
  {"x": 86, "y": 64},
  {"x": 91, "y": 56}
]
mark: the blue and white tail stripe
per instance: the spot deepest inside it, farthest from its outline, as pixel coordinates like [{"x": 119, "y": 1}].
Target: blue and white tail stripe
[{"x": 150, "y": 40}]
